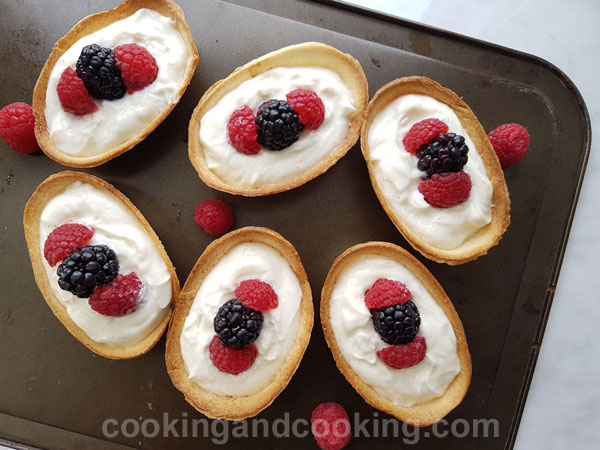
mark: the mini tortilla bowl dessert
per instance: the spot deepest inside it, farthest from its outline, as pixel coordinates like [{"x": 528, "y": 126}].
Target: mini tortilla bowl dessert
[
  {"x": 112, "y": 296},
  {"x": 279, "y": 121},
  {"x": 434, "y": 170},
  {"x": 241, "y": 324},
  {"x": 394, "y": 333},
  {"x": 111, "y": 80}
]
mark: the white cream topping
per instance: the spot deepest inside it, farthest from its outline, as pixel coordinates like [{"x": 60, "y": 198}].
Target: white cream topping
[
  {"x": 114, "y": 225},
  {"x": 117, "y": 121},
  {"x": 398, "y": 177},
  {"x": 358, "y": 341},
  {"x": 272, "y": 167},
  {"x": 280, "y": 326}
]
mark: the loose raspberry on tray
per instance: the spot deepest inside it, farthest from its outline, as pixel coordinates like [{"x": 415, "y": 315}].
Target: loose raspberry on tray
[
  {"x": 446, "y": 190},
  {"x": 230, "y": 360},
  {"x": 17, "y": 127},
  {"x": 120, "y": 297},
  {"x": 257, "y": 295},
  {"x": 309, "y": 107},
  {"x": 386, "y": 292},
  {"x": 138, "y": 66},
  {"x": 74, "y": 97},
  {"x": 511, "y": 142},
  {"x": 405, "y": 355},
  {"x": 242, "y": 133},
  {"x": 64, "y": 239},
  {"x": 330, "y": 426},
  {"x": 421, "y": 133},
  {"x": 214, "y": 216}
]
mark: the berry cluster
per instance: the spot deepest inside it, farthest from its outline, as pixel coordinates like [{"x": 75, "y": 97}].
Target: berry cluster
[
  {"x": 238, "y": 324},
  {"x": 396, "y": 319},
  {"x": 442, "y": 156},
  {"x": 106, "y": 74},
  {"x": 91, "y": 271},
  {"x": 277, "y": 123}
]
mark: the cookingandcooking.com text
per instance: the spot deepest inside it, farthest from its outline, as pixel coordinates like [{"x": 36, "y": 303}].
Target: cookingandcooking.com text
[{"x": 220, "y": 432}]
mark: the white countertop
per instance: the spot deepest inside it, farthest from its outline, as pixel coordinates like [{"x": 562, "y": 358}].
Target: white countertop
[{"x": 562, "y": 406}]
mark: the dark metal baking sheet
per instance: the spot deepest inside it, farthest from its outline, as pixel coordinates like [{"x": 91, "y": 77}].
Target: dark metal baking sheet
[{"x": 56, "y": 394}]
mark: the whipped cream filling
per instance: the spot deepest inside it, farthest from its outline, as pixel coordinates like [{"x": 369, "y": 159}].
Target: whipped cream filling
[
  {"x": 398, "y": 177},
  {"x": 280, "y": 326},
  {"x": 312, "y": 147},
  {"x": 358, "y": 341},
  {"x": 118, "y": 121},
  {"x": 114, "y": 225}
]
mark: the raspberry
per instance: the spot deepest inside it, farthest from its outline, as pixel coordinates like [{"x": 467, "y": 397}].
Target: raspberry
[
  {"x": 241, "y": 129},
  {"x": 64, "y": 239},
  {"x": 74, "y": 97},
  {"x": 16, "y": 127},
  {"x": 257, "y": 295},
  {"x": 511, "y": 142},
  {"x": 230, "y": 360},
  {"x": 386, "y": 292},
  {"x": 309, "y": 106},
  {"x": 421, "y": 133},
  {"x": 330, "y": 426},
  {"x": 120, "y": 297},
  {"x": 214, "y": 216},
  {"x": 405, "y": 355},
  {"x": 138, "y": 66},
  {"x": 447, "y": 189}
]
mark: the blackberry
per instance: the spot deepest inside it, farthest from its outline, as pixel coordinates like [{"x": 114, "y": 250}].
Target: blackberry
[
  {"x": 277, "y": 124},
  {"x": 447, "y": 152},
  {"x": 237, "y": 325},
  {"x": 97, "y": 67},
  {"x": 397, "y": 324},
  {"x": 87, "y": 267}
]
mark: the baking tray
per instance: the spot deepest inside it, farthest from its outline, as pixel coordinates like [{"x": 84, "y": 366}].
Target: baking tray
[{"x": 54, "y": 393}]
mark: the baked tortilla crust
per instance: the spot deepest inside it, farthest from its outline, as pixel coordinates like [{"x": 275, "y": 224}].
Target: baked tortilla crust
[
  {"x": 486, "y": 237},
  {"x": 236, "y": 407},
  {"x": 50, "y": 188},
  {"x": 306, "y": 54},
  {"x": 87, "y": 26},
  {"x": 421, "y": 414}
]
